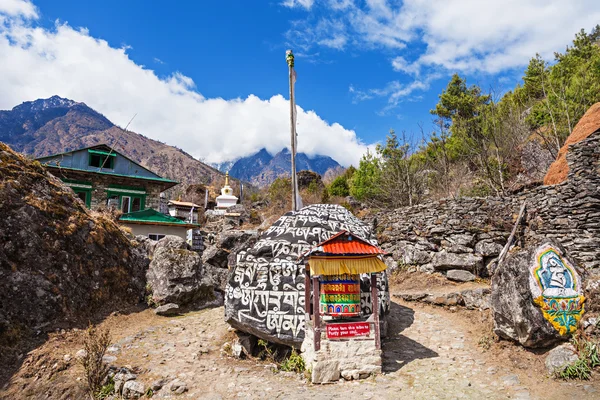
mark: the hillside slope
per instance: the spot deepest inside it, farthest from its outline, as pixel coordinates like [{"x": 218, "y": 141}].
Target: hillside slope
[{"x": 54, "y": 125}]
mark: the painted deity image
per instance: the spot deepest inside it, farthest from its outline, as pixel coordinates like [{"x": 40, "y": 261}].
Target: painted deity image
[{"x": 556, "y": 289}]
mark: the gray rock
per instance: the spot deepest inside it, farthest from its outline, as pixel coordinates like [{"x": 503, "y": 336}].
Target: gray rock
[
  {"x": 476, "y": 299},
  {"x": 125, "y": 376},
  {"x": 460, "y": 275},
  {"x": 178, "y": 386},
  {"x": 560, "y": 357},
  {"x": 515, "y": 315},
  {"x": 414, "y": 256},
  {"x": 133, "y": 390},
  {"x": 488, "y": 248},
  {"x": 443, "y": 261},
  {"x": 158, "y": 384},
  {"x": 175, "y": 276},
  {"x": 167, "y": 310},
  {"x": 326, "y": 371},
  {"x": 462, "y": 239},
  {"x": 171, "y": 242}
]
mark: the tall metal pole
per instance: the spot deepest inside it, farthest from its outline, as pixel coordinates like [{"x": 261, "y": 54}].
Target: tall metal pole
[{"x": 289, "y": 56}]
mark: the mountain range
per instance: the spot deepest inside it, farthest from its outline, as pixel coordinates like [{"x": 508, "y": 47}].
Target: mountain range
[
  {"x": 262, "y": 168},
  {"x": 56, "y": 125}
]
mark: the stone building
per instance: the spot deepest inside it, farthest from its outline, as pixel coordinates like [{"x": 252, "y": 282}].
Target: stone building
[{"x": 104, "y": 178}]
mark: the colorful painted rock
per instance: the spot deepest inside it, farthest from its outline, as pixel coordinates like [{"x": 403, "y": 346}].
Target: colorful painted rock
[
  {"x": 340, "y": 295},
  {"x": 556, "y": 288}
]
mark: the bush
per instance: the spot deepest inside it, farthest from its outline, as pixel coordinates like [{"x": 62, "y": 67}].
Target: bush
[
  {"x": 339, "y": 187},
  {"x": 95, "y": 344},
  {"x": 294, "y": 363}
]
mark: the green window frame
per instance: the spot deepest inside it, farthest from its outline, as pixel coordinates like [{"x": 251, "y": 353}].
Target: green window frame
[
  {"x": 101, "y": 159},
  {"x": 132, "y": 197},
  {"x": 88, "y": 196}
]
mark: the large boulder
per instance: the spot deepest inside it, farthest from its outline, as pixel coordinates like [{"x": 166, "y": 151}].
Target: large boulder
[
  {"x": 536, "y": 296},
  {"x": 265, "y": 291},
  {"x": 175, "y": 274}
]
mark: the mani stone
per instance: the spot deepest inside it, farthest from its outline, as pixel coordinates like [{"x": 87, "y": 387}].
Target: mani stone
[
  {"x": 560, "y": 357},
  {"x": 460, "y": 275},
  {"x": 516, "y": 316},
  {"x": 264, "y": 295}
]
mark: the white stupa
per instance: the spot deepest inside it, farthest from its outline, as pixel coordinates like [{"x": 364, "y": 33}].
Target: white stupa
[{"x": 226, "y": 199}]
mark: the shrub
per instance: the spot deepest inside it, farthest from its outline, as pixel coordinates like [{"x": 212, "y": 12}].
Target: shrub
[
  {"x": 294, "y": 363},
  {"x": 95, "y": 343},
  {"x": 339, "y": 187}
]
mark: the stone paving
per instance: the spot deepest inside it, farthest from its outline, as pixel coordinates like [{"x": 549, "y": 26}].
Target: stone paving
[{"x": 425, "y": 357}]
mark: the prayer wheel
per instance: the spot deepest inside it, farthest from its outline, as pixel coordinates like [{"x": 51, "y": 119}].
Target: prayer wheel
[{"x": 340, "y": 295}]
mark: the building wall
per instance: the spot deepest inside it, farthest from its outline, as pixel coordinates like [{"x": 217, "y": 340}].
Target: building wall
[
  {"x": 101, "y": 183},
  {"x": 145, "y": 229},
  {"x": 80, "y": 159}
]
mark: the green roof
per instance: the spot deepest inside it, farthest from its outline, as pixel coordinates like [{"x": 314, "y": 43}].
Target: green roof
[
  {"x": 102, "y": 153},
  {"x": 153, "y": 217}
]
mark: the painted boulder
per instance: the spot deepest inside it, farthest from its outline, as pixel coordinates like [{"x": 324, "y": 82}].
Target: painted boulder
[
  {"x": 537, "y": 297},
  {"x": 265, "y": 290}
]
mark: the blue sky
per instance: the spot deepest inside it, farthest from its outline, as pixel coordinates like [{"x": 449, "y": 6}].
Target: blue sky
[{"x": 210, "y": 77}]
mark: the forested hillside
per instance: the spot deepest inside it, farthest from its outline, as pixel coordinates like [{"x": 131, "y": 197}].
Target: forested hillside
[{"x": 483, "y": 142}]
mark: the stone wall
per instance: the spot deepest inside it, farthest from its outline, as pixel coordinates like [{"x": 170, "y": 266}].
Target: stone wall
[{"x": 469, "y": 233}]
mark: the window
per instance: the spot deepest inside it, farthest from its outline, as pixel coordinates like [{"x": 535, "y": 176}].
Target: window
[
  {"x": 84, "y": 194},
  {"x": 101, "y": 161},
  {"x": 136, "y": 204},
  {"x": 112, "y": 202},
  {"x": 125, "y": 204},
  {"x": 155, "y": 236}
]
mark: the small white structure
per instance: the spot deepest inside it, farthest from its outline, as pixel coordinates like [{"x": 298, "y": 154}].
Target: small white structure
[
  {"x": 226, "y": 199},
  {"x": 183, "y": 210}
]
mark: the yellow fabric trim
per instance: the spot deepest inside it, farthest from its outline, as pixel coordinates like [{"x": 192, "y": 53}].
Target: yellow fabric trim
[{"x": 345, "y": 265}]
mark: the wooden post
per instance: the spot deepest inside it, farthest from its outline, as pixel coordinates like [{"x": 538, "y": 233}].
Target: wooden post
[
  {"x": 290, "y": 61},
  {"x": 375, "y": 306},
  {"x": 307, "y": 312},
  {"x": 316, "y": 314}
]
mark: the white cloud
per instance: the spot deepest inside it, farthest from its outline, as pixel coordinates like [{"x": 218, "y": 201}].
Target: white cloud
[
  {"x": 19, "y": 8},
  {"x": 38, "y": 63},
  {"x": 466, "y": 36},
  {"x": 307, "y": 4}
]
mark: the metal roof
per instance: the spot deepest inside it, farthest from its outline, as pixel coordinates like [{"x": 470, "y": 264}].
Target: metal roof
[
  {"x": 345, "y": 243},
  {"x": 153, "y": 217}
]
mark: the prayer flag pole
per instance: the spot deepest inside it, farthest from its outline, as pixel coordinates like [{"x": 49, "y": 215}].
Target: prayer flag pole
[{"x": 289, "y": 56}]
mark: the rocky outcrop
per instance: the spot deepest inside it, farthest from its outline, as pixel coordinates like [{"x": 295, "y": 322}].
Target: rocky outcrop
[
  {"x": 176, "y": 276},
  {"x": 588, "y": 124},
  {"x": 265, "y": 291},
  {"x": 59, "y": 262},
  {"x": 521, "y": 294}
]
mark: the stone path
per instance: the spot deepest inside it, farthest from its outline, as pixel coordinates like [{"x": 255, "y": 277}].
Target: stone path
[{"x": 425, "y": 357}]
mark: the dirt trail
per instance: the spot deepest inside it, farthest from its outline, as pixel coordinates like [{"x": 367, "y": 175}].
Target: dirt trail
[{"x": 430, "y": 353}]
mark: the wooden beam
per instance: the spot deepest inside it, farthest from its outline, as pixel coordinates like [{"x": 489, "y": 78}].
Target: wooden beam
[
  {"x": 307, "y": 312},
  {"x": 375, "y": 305},
  {"x": 316, "y": 314}
]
